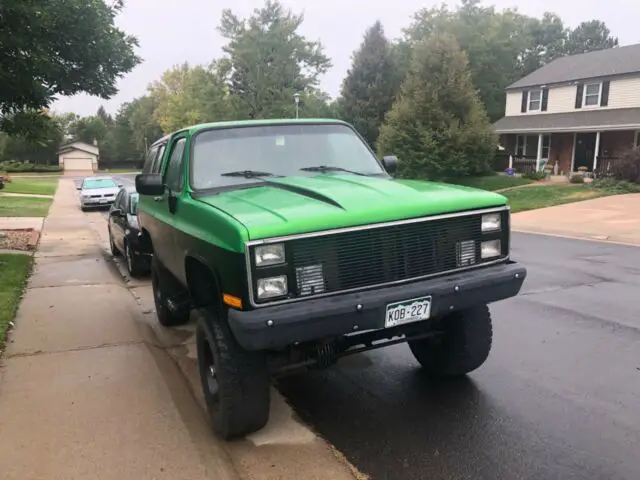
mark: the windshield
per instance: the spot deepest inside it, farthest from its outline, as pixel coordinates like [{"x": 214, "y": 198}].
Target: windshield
[
  {"x": 98, "y": 183},
  {"x": 133, "y": 204},
  {"x": 276, "y": 150}
]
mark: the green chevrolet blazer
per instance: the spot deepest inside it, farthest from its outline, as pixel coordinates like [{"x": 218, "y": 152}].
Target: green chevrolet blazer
[{"x": 290, "y": 245}]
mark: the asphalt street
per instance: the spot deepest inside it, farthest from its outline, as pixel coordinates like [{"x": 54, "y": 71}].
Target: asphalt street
[{"x": 557, "y": 399}]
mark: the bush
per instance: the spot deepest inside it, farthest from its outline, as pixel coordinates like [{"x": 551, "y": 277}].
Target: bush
[
  {"x": 26, "y": 167},
  {"x": 627, "y": 169},
  {"x": 613, "y": 186},
  {"x": 535, "y": 175},
  {"x": 576, "y": 178}
]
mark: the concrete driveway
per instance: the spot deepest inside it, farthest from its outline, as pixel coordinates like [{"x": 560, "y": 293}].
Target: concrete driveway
[{"x": 614, "y": 219}]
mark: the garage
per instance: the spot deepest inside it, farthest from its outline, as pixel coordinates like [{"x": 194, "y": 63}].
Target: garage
[
  {"x": 83, "y": 164},
  {"x": 78, "y": 158}
]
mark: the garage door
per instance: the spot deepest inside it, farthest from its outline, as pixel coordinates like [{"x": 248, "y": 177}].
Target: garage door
[{"x": 74, "y": 164}]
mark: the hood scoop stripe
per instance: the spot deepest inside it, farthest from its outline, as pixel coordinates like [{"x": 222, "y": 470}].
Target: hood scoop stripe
[{"x": 305, "y": 192}]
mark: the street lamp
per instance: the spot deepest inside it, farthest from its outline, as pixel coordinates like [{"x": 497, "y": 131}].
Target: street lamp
[{"x": 296, "y": 98}]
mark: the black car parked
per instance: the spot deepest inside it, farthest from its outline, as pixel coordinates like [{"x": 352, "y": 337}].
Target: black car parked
[{"x": 124, "y": 232}]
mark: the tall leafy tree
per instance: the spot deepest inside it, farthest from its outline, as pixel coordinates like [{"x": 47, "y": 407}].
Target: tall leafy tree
[
  {"x": 58, "y": 47},
  {"x": 268, "y": 61},
  {"x": 188, "y": 95},
  {"x": 588, "y": 37},
  {"x": 438, "y": 126},
  {"x": 371, "y": 84}
]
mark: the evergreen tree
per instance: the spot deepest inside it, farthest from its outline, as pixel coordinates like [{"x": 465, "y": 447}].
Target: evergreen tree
[
  {"x": 438, "y": 126},
  {"x": 371, "y": 84}
]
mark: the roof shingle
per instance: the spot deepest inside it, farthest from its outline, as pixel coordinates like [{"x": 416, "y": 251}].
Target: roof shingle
[{"x": 601, "y": 63}]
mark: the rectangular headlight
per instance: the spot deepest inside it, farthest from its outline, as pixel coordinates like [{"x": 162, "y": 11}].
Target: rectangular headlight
[
  {"x": 490, "y": 249},
  {"x": 272, "y": 287},
  {"x": 491, "y": 222},
  {"x": 266, "y": 255}
]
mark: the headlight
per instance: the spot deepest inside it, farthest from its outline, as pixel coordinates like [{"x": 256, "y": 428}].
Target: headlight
[
  {"x": 491, "y": 249},
  {"x": 86, "y": 197},
  {"x": 272, "y": 287},
  {"x": 491, "y": 222},
  {"x": 266, "y": 255}
]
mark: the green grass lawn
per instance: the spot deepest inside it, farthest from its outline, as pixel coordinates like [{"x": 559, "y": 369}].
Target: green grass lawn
[
  {"x": 491, "y": 182},
  {"x": 15, "y": 271},
  {"x": 522, "y": 199},
  {"x": 24, "y": 206},
  {"x": 39, "y": 186}
]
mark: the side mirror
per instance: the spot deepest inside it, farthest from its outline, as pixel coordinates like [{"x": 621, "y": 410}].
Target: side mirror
[
  {"x": 78, "y": 187},
  {"x": 390, "y": 163},
  {"x": 120, "y": 185},
  {"x": 116, "y": 212},
  {"x": 150, "y": 184}
]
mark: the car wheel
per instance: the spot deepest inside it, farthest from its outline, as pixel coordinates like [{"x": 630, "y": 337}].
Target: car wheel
[
  {"x": 235, "y": 381},
  {"x": 112, "y": 246},
  {"x": 462, "y": 346},
  {"x": 135, "y": 263},
  {"x": 161, "y": 286}
]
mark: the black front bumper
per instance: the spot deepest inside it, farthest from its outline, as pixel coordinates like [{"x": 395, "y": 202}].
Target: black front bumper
[{"x": 278, "y": 326}]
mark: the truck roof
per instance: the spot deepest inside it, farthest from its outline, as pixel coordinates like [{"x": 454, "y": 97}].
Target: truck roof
[{"x": 252, "y": 123}]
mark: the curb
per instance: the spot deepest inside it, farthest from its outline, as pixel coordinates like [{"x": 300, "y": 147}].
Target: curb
[{"x": 590, "y": 238}]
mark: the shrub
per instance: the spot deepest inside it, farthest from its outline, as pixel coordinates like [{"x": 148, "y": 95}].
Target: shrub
[
  {"x": 535, "y": 175},
  {"x": 576, "y": 178},
  {"x": 613, "y": 186},
  {"x": 627, "y": 169},
  {"x": 26, "y": 167}
]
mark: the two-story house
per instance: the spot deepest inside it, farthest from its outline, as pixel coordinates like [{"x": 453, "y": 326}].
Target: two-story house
[{"x": 577, "y": 111}]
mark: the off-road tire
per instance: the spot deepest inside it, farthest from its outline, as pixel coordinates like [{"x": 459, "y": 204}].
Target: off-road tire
[
  {"x": 241, "y": 405},
  {"x": 463, "y": 345},
  {"x": 135, "y": 265},
  {"x": 161, "y": 284},
  {"x": 112, "y": 246}
]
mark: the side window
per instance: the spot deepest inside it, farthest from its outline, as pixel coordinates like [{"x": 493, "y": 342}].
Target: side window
[
  {"x": 173, "y": 173},
  {"x": 125, "y": 202},
  {"x": 148, "y": 162},
  {"x": 117, "y": 203},
  {"x": 157, "y": 164}
]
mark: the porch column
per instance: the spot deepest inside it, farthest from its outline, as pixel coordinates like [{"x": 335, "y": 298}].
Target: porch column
[
  {"x": 539, "y": 152},
  {"x": 595, "y": 153}
]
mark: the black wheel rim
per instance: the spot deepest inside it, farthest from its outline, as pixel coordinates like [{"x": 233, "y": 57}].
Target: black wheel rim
[
  {"x": 211, "y": 374},
  {"x": 127, "y": 253}
]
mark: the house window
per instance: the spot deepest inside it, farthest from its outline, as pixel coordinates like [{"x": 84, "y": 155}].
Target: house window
[
  {"x": 592, "y": 94},
  {"x": 527, "y": 145},
  {"x": 535, "y": 100}
]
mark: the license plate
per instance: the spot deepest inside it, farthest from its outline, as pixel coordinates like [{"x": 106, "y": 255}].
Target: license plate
[
  {"x": 103, "y": 200},
  {"x": 408, "y": 311}
]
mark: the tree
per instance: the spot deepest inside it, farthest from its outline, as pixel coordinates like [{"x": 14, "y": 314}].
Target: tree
[
  {"x": 438, "y": 126},
  {"x": 371, "y": 85},
  {"x": 588, "y": 37},
  {"x": 268, "y": 61},
  {"x": 189, "y": 95},
  {"x": 58, "y": 47},
  {"x": 42, "y": 150}
]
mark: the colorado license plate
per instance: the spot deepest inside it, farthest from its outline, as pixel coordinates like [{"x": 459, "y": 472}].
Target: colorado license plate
[
  {"x": 103, "y": 200},
  {"x": 408, "y": 311}
]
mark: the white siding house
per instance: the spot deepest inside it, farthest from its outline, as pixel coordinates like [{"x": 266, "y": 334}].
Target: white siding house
[{"x": 78, "y": 157}]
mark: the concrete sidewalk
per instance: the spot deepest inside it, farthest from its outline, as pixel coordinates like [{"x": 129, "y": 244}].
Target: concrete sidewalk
[
  {"x": 84, "y": 393},
  {"x": 614, "y": 219}
]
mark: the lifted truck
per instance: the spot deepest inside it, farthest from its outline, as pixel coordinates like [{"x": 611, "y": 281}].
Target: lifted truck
[{"x": 291, "y": 245}]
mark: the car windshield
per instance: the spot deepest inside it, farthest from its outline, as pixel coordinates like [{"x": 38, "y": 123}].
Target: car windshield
[
  {"x": 223, "y": 157},
  {"x": 98, "y": 183},
  {"x": 133, "y": 204}
]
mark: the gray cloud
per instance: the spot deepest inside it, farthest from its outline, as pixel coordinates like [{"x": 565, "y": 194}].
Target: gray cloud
[{"x": 172, "y": 32}]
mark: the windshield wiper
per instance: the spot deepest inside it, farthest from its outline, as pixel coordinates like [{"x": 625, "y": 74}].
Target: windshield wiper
[
  {"x": 248, "y": 174},
  {"x": 328, "y": 168}
]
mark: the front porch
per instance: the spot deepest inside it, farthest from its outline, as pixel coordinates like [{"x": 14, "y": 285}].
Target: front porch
[{"x": 563, "y": 153}]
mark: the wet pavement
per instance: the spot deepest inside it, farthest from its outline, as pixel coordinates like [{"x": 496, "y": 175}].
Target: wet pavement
[{"x": 557, "y": 399}]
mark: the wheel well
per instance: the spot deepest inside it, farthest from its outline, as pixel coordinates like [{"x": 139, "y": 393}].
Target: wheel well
[
  {"x": 146, "y": 245},
  {"x": 203, "y": 284}
]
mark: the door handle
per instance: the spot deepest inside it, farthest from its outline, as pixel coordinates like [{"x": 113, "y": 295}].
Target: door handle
[{"x": 157, "y": 199}]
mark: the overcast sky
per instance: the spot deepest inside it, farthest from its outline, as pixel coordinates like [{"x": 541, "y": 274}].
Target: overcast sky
[{"x": 174, "y": 31}]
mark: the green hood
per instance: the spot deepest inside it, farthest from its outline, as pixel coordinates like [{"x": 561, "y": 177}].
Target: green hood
[{"x": 305, "y": 204}]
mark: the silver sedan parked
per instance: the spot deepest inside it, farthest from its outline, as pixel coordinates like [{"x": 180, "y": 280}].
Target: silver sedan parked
[{"x": 98, "y": 192}]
